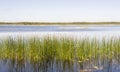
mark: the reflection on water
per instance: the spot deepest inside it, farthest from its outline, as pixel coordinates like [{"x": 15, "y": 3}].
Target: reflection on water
[
  {"x": 101, "y": 65},
  {"x": 59, "y": 66}
]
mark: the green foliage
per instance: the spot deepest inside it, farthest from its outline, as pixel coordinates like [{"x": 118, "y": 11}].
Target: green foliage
[{"x": 63, "y": 49}]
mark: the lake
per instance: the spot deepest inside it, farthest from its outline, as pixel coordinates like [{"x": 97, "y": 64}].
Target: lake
[
  {"x": 68, "y": 31},
  {"x": 75, "y": 32},
  {"x": 6, "y": 28}
]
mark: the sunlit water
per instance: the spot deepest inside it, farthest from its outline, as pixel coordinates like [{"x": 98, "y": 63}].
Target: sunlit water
[
  {"x": 75, "y": 32},
  {"x": 67, "y": 31}
]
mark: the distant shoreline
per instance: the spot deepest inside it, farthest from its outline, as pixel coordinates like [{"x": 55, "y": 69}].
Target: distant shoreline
[{"x": 59, "y": 23}]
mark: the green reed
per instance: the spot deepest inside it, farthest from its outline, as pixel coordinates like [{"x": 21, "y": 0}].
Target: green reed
[{"x": 37, "y": 49}]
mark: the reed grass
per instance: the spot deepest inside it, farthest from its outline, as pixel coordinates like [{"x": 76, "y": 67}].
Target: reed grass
[{"x": 48, "y": 49}]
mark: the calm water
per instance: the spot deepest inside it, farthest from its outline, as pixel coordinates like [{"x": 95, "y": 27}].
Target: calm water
[
  {"x": 60, "y": 31},
  {"x": 57, "y": 28},
  {"x": 67, "y": 31}
]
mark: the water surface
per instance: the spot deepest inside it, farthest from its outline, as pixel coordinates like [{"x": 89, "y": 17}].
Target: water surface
[
  {"x": 58, "y": 31},
  {"x": 6, "y": 28}
]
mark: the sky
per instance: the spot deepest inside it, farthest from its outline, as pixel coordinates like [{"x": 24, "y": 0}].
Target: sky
[{"x": 59, "y": 10}]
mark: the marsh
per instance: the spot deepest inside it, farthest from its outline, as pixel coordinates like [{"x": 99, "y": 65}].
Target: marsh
[{"x": 59, "y": 48}]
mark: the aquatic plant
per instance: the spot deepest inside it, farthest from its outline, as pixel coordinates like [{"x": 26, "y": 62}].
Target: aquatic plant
[{"x": 49, "y": 49}]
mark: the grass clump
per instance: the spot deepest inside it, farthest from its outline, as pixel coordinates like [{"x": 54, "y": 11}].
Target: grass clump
[{"x": 48, "y": 49}]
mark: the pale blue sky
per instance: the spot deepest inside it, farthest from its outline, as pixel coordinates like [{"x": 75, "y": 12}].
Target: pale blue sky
[{"x": 59, "y": 10}]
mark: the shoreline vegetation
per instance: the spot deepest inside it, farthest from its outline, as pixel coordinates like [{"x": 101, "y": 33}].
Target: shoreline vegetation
[
  {"x": 48, "y": 52},
  {"x": 59, "y": 23},
  {"x": 63, "y": 49}
]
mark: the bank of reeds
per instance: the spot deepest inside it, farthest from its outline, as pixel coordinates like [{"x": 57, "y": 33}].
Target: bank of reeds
[{"x": 56, "y": 49}]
